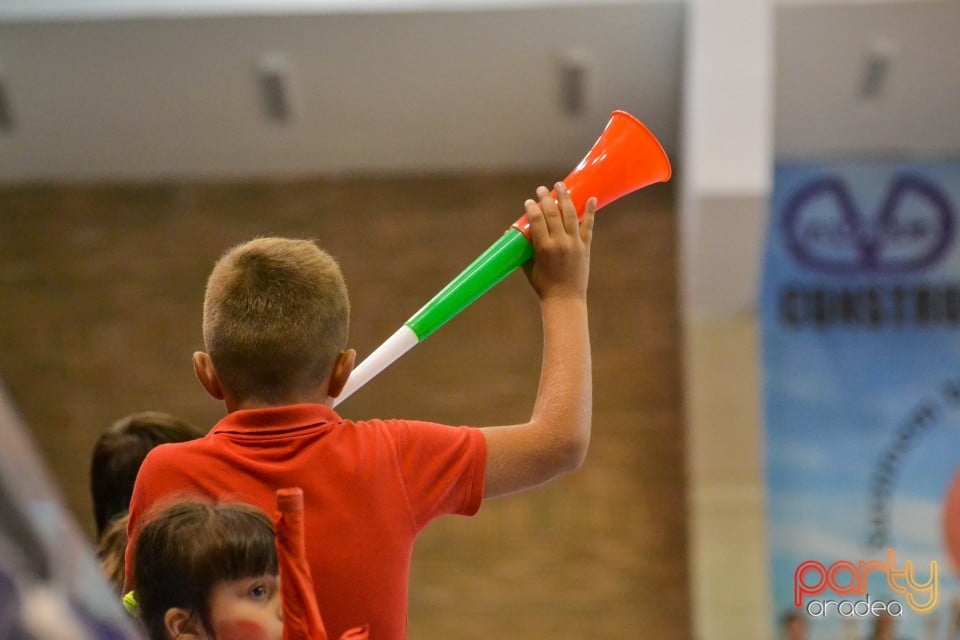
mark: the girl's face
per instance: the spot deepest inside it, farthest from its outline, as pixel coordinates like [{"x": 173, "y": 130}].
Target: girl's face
[{"x": 247, "y": 609}]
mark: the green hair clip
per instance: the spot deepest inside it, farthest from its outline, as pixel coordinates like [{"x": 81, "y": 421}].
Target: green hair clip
[{"x": 130, "y": 604}]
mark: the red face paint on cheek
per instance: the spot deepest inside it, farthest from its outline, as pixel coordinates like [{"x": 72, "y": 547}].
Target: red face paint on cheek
[{"x": 240, "y": 630}]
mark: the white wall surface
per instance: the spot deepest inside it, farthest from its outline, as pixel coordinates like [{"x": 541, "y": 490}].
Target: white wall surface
[
  {"x": 823, "y": 52},
  {"x": 112, "y": 9},
  {"x": 398, "y": 92},
  {"x": 727, "y": 157}
]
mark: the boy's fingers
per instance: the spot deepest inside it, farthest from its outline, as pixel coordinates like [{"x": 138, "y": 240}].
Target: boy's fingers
[
  {"x": 586, "y": 225},
  {"x": 567, "y": 210},
  {"x": 551, "y": 212},
  {"x": 538, "y": 226}
]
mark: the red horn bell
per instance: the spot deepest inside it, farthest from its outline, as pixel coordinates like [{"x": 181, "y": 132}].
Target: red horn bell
[{"x": 625, "y": 157}]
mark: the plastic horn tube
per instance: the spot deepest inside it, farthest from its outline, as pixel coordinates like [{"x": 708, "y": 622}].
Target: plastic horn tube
[
  {"x": 626, "y": 157},
  {"x": 502, "y": 258}
]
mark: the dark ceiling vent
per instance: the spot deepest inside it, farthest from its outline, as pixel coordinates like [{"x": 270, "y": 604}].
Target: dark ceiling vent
[
  {"x": 573, "y": 67},
  {"x": 275, "y": 84},
  {"x": 6, "y": 113},
  {"x": 876, "y": 70}
]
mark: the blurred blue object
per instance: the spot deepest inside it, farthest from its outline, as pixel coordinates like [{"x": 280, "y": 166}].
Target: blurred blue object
[{"x": 51, "y": 586}]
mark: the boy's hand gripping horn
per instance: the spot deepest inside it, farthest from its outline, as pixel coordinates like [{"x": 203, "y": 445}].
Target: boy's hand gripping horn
[{"x": 625, "y": 157}]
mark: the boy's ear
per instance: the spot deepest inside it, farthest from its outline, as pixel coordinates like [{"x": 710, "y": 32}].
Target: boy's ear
[
  {"x": 341, "y": 371},
  {"x": 207, "y": 375},
  {"x": 181, "y": 623}
]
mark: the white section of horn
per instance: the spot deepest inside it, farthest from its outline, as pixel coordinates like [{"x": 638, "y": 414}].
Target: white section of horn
[{"x": 395, "y": 346}]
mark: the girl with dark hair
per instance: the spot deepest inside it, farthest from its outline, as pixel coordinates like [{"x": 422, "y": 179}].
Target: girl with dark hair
[
  {"x": 211, "y": 571},
  {"x": 208, "y": 571}
]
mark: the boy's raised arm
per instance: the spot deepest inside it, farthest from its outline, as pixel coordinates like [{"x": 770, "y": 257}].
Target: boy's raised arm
[{"x": 556, "y": 438}]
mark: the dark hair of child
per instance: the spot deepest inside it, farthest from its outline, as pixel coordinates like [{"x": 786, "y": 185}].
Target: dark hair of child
[
  {"x": 118, "y": 454},
  {"x": 186, "y": 549}
]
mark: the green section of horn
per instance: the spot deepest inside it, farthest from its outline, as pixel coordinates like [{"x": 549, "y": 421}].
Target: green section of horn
[{"x": 496, "y": 263}]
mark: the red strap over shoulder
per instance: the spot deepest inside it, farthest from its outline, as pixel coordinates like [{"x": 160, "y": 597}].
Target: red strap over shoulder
[{"x": 301, "y": 615}]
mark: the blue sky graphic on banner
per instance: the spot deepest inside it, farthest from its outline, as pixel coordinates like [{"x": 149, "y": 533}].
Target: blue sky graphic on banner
[{"x": 860, "y": 316}]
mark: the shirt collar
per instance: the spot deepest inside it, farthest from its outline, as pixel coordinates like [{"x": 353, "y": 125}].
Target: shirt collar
[{"x": 276, "y": 419}]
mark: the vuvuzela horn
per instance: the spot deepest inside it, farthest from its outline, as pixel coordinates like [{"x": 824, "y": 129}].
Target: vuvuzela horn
[{"x": 625, "y": 157}]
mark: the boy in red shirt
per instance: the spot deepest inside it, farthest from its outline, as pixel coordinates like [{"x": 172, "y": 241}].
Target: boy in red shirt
[{"x": 275, "y": 323}]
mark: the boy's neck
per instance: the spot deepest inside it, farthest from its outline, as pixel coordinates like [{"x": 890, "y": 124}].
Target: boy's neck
[{"x": 236, "y": 404}]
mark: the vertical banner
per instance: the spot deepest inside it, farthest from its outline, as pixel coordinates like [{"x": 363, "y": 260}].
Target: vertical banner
[{"x": 860, "y": 321}]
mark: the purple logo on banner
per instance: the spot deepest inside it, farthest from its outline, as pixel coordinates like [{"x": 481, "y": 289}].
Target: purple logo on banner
[{"x": 825, "y": 231}]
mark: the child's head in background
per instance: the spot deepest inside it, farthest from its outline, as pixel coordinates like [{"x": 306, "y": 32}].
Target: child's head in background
[
  {"x": 118, "y": 453},
  {"x": 208, "y": 571}
]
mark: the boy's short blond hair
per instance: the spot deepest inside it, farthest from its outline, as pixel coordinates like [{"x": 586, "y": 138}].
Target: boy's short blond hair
[{"x": 275, "y": 317}]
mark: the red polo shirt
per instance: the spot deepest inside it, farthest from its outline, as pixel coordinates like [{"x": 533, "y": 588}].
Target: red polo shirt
[{"x": 369, "y": 488}]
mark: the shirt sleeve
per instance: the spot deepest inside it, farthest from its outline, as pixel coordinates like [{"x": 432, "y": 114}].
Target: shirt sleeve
[{"x": 442, "y": 468}]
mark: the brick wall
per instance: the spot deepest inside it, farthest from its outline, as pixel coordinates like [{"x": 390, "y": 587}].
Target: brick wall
[{"x": 102, "y": 285}]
